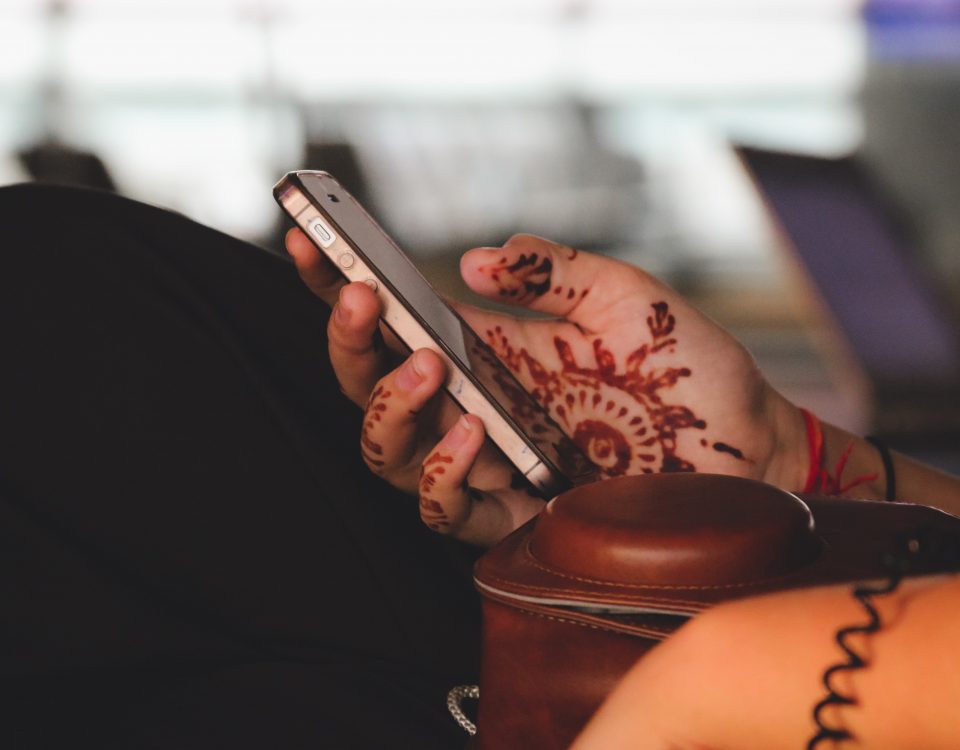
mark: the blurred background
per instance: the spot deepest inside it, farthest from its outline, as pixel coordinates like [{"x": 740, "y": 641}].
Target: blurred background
[{"x": 791, "y": 165}]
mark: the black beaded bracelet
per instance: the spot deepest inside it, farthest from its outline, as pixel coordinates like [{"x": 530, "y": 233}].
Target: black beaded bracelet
[{"x": 887, "y": 466}]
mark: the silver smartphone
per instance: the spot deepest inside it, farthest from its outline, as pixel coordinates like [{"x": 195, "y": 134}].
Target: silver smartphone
[{"x": 343, "y": 231}]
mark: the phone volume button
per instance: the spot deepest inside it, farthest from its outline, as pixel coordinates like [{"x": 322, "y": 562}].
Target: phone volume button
[
  {"x": 372, "y": 283},
  {"x": 346, "y": 260}
]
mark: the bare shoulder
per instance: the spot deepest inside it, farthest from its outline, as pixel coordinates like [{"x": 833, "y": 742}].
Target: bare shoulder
[{"x": 747, "y": 674}]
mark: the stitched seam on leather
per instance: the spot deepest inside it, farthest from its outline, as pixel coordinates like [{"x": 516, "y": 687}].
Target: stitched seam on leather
[
  {"x": 529, "y": 559},
  {"x": 541, "y": 589},
  {"x": 590, "y": 625}
]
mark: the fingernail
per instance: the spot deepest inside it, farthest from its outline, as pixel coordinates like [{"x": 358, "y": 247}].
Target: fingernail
[
  {"x": 409, "y": 376},
  {"x": 459, "y": 434}
]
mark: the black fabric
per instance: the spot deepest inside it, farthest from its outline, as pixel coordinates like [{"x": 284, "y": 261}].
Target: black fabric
[{"x": 192, "y": 553}]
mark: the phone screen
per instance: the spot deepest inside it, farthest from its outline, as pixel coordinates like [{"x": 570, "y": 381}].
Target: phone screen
[{"x": 450, "y": 331}]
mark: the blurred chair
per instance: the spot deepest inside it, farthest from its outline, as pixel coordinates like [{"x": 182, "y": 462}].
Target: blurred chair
[
  {"x": 55, "y": 162},
  {"x": 846, "y": 238}
]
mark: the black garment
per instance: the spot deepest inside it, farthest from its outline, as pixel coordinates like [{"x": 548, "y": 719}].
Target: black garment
[{"x": 192, "y": 554}]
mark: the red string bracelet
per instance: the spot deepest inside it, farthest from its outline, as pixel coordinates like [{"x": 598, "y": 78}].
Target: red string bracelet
[
  {"x": 818, "y": 478},
  {"x": 815, "y": 446}
]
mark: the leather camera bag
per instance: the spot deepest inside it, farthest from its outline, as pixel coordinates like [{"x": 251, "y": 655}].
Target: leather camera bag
[{"x": 572, "y": 599}]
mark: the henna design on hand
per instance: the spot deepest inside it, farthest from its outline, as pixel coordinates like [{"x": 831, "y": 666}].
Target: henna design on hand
[
  {"x": 735, "y": 452},
  {"x": 528, "y": 277},
  {"x": 661, "y": 325},
  {"x": 431, "y": 511},
  {"x": 618, "y": 417},
  {"x": 370, "y": 449}
]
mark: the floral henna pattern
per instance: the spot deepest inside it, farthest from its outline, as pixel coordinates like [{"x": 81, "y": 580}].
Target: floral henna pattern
[
  {"x": 431, "y": 511},
  {"x": 371, "y": 450},
  {"x": 619, "y": 417},
  {"x": 528, "y": 277}
]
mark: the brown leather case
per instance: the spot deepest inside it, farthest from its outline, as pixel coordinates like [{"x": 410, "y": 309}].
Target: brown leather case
[{"x": 573, "y": 598}]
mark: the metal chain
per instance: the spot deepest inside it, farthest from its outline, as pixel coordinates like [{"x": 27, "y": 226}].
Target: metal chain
[{"x": 455, "y": 698}]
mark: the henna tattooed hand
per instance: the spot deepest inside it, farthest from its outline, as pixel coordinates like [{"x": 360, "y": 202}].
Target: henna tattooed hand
[
  {"x": 407, "y": 413},
  {"x": 641, "y": 381},
  {"x": 637, "y": 378}
]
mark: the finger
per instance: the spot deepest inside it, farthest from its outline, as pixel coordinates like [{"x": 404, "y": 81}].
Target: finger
[
  {"x": 389, "y": 436},
  {"x": 593, "y": 291},
  {"x": 315, "y": 269},
  {"x": 450, "y": 504},
  {"x": 444, "y": 495},
  {"x": 355, "y": 345}
]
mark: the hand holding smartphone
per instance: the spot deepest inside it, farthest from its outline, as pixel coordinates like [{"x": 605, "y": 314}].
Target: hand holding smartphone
[{"x": 476, "y": 380}]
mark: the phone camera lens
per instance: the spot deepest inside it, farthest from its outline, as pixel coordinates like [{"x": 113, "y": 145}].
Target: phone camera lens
[{"x": 332, "y": 197}]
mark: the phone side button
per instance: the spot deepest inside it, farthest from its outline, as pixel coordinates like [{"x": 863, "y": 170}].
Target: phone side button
[
  {"x": 322, "y": 232},
  {"x": 372, "y": 283},
  {"x": 346, "y": 260}
]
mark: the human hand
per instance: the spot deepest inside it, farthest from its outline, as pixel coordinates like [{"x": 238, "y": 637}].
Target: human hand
[
  {"x": 405, "y": 417},
  {"x": 639, "y": 379}
]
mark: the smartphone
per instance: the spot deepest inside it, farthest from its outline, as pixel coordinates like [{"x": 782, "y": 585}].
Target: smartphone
[{"x": 419, "y": 317}]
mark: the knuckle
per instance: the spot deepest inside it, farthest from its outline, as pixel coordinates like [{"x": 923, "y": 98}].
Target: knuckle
[
  {"x": 433, "y": 515},
  {"x": 351, "y": 346},
  {"x": 371, "y": 449},
  {"x": 372, "y": 454},
  {"x": 525, "y": 239},
  {"x": 323, "y": 285},
  {"x": 350, "y": 343},
  {"x": 313, "y": 269}
]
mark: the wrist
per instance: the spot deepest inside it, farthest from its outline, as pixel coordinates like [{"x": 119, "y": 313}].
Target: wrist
[
  {"x": 790, "y": 457},
  {"x": 851, "y": 467},
  {"x": 813, "y": 456}
]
